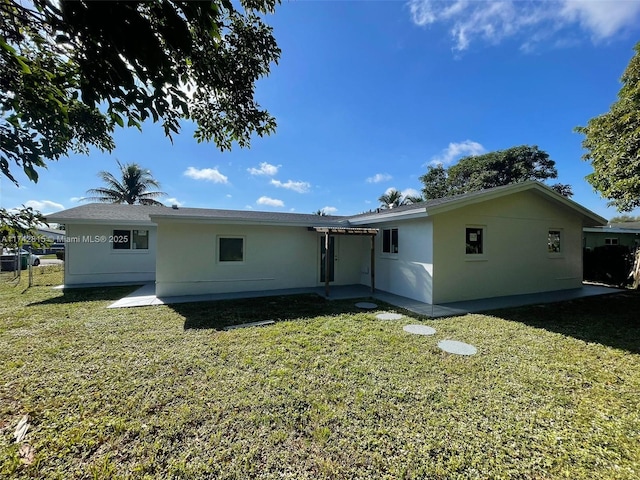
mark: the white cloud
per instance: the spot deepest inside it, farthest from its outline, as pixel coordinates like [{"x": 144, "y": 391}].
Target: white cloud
[
  {"x": 175, "y": 201},
  {"x": 379, "y": 177},
  {"x": 300, "y": 187},
  {"x": 76, "y": 199},
  {"x": 493, "y": 21},
  {"x": 271, "y": 202},
  {"x": 228, "y": 195},
  {"x": 265, "y": 169},
  {"x": 329, "y": 210},
  {"x": 44, "y": 206},
  {"x": 457, "y": 150},
  {"x": 602, "y": 18},
  {"x": 209, "y": 174}
]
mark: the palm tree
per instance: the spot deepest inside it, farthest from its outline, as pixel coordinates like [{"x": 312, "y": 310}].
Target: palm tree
[
  {"x": 390, "y": 199},
  {"x": 393, "y": 198},
  {"x": 132, "y": 188}
]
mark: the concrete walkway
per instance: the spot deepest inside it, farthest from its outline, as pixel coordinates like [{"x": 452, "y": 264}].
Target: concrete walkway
[{"x": 145, "y": 296}]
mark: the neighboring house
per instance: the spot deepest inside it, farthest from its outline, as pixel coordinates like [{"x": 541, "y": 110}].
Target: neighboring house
[
  {"x": 626, "y": 234},
  {"x": 54, "y": 239},
  {"x": 516, "y": 239}
]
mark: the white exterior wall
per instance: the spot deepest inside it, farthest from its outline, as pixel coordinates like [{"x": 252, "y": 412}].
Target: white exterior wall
[
  {"x": 516, "y": 259},
  {"x": 90, "y": 258},
  {"x": 274, "y": 258},
  {"x": 409, "y": 272}
]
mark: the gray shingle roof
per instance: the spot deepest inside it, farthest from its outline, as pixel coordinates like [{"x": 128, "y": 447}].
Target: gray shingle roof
[{"x": 105, "y": 212}]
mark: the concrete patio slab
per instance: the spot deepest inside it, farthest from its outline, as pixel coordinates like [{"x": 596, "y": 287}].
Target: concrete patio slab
[{"x": 145, "y": 296}]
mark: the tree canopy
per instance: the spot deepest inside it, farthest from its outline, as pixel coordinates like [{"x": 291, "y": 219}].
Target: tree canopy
[
  {"x": 73, "y": 70},
  {"x": 15, "y": 225},
  {"x": 493, "y": 169},
  {"x": 133, "y": 187},
  {"x": 612, "y": 141}
]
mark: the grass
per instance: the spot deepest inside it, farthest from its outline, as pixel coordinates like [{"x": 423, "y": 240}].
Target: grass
[{"x": 327, "y": 392}]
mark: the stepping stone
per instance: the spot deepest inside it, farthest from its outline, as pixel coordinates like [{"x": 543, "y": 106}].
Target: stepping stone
[
  {"x": 419, "y": 329},
  {"x": 459, "y": 348},
  {"x": 366, "y": 305},
  {"x": 389, "y": 316},
  {"x": 252, "y": 324}
]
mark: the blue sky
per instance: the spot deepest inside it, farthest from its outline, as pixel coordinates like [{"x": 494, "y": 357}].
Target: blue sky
[{"x": 368, "y": 93}]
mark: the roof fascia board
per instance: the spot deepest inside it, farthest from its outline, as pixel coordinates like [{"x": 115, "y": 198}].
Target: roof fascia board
[
  {"x": 517, "y": 188},
  {"x": 232, "y": 221},
  {"x": 632, "y": 231},
  {"x": 89, "y": 221},
  {"x": 389, "y": 217}
]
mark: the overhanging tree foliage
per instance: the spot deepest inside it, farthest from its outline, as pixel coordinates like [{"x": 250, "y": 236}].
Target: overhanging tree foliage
[
  {"x": 612, "y": 141},
  {"x": 73, "y": 70},
  {"x": 17, "y": 225},
  {"x": 494, "y": 169}
]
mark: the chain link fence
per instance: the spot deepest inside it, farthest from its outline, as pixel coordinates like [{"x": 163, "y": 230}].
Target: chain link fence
[{"x": 43, "y": 275}]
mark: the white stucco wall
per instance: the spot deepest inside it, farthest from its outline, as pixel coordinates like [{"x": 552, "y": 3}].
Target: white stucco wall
[
  {"x": 90, "y": 258},
  {"x": 409, "y": 272},
  {"x": 274, "y": 258},
  {"x": 516, "y": 258}
]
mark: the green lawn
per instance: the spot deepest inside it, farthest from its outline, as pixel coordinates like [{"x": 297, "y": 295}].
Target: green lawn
[{"x": 326, "y": 392}]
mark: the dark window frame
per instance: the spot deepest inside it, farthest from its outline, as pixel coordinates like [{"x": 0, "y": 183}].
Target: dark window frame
[
  {"x": 390, "y": 241},
  {"x": 474, "y": 240},
  {"x": 228, "y": 250}
]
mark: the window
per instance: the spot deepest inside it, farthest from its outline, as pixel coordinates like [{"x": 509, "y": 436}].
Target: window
[
  {"x": 611, "y": 241},
  {"x": 121, "y": 240},
  {"x": 554, "y": 241},
  {"x": 140, "y": 240},
  {"x": 130, "y": 240},
  {"x": 231, "y": 249},
  {"x": 474, "y": 241},
  {"x": 390, "y": 240}
]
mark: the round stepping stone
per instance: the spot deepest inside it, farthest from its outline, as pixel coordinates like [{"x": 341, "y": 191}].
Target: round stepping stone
[
  {"x": 419, "y": 329},
  {"x": 366, "y": 305},
  {"x": 389, "y": 316},
  {"x": 459, "y": 348}
]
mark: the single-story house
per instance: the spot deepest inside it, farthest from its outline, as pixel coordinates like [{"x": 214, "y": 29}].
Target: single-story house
[
  {"x": 626, "y": 234},
  {"x": 517, "y": 239}
]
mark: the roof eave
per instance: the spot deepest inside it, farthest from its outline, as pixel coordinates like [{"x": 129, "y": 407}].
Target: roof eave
[
  {"x": 390, "y": 217},
  {"x": 589, "y": 218},
  {"x": 236, "y": 221},
  {"x": 96, "y": 221}
]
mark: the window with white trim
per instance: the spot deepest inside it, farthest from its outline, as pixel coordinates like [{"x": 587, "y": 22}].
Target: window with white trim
[
  {"x": 130, "y": 239},
  {"x": 390, "y": 240},
  {"x": 231, "y": 249}
]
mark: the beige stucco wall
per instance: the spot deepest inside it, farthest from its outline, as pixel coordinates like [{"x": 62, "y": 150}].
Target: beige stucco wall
[
  {"x": 275, "y": 258},
  {"x": 90, "y": 258},
  {"x": 409, "y": 272},
  {"x": 516, "y": 259}
]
